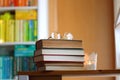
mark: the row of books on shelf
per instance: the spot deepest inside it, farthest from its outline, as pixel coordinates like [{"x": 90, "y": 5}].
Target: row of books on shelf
[
  {"x": 9, "y": 3},
  {"x": 19, "y": 15},
  {"x": 6, "y": 67},
  {"x": 10, "y": 65},
  {"x": 51, "y": 55},
  {"x": 24, "y": 63},
  {"x": 18, "y": 30},
  {"x": 23, "y": 58}
]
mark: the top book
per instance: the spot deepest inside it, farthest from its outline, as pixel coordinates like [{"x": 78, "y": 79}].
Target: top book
[{"x": 58, "y": 43}]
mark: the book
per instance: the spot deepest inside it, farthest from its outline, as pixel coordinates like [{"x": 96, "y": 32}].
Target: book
[
  {"x": 7, "y": 31},
  {"x": 1, "y": 3},
  {"x": 59, "y": 68},
  {"x": 6, "y": 3},
  {"x": 35, "y": 2},
  {"x": 59, "y": 63},
  {"x": 31, "y": 30},
  {"x": 2, "y": 31},
  {"x": 11, "y": 30},
  {"x": 57, "y": 51},
  {"x": 64, "y": 58},
  {"x": 15, "y": 2},
  {"x": 11, "y": 3},
  {"x": 56, "y": 43},
  {"x": 25, "y": 30},
  {"x": 35, "y": 29},
  {"x": 6, "y": 67},
  {"x": 21, "y": 2},
  {"x": 24, "y": 50},
  {"x": 17, "y": 32},
  {"x": 23, "y": 63},
  {"x": 26, "y": 14},
  {"x": 21, "y": 30}
]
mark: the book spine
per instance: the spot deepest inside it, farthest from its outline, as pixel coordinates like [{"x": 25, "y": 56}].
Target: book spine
[
  {"x": 26, "y": 2},
  {"x": 6, "y": 3},
  {"x": 35, "y": 29},
  {"x": 35, "y": 3},
  {"x": 3, "y": 68},
  {"x": 23, "y": 2},
  {"x": 31, "y": 30},
  {"x": 18, "y": 63},
  {"x": 1, "y": 65},
  {"x": 48, "y": 43},
  {"x": 11, "y": 3},
  {"x": 25, "y": 63},
  {"x": 20, "y": 2},
  {"x": 12, "y": 30},
  {"x": 21, "y": 50},
  {"x": 2, "y": 31},
  {"x": 15, "y": 66},
  {"x": 32, "y": 64},
  {"x": 17, "y": 32},
  {"x": 21, "y": 30},
  {"x": 1, "y": 3},
  {"x": 30, "y": 2},
  {"x": 59, "y": 58},
  {"x": 24, "y": 53},
  {"x": 7, "y": 68},
  {"x": 15, "y": 2},
  {"x": 11, "y": 67},
  {"x": 25, "y": 31},
  {"x": 7, "y": 31}
]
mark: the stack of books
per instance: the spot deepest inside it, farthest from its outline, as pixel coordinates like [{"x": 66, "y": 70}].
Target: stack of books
[{"x": 52, "y": 54}]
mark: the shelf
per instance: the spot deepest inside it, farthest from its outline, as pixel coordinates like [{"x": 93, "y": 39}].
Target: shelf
[
  {"x": 57, "y": 75},
  {"x": 74, "y": 73},
  {"x": 17, "y": 8},
  {"x": 16, "y": 43}
]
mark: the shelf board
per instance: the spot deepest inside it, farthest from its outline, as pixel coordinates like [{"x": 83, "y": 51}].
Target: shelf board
[
  {"x": 17, "y": 8},
  {"x": 16, "y": 43},
  {"x": 113, "y": 72}
]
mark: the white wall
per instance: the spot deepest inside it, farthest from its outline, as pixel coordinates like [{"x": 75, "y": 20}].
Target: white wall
[
  {"x": 117, "y": 33},
  {"x": 43, "y": 19},
  {"x": 116, "y": 8}
]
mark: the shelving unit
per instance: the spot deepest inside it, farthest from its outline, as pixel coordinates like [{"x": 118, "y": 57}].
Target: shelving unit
[
  {"x": 8, "y": 48},
  {"x": 57, "y": 75}
]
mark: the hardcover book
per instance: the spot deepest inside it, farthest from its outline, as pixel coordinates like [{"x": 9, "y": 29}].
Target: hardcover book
[
  {"x": 1, "y": 3},
  {"x": 59, "y": 63},
  {"x": 59, "y": 68},
  {"x": 66, "y": 58},
  {"x": 25, "y": 31},
  {"x": 59, "y": 51},
  {"x": 2, "y": 31},
  {"x": 55, "y": 43}
]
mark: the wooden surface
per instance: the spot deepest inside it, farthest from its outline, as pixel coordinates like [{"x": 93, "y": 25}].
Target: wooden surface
[
  {"x": 74, "y": 73},
  {"x": 45, "y": 77}
]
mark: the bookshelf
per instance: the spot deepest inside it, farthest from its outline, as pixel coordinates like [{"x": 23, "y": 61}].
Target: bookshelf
[
  {"x": 57, "y": 75},
  {"x": 7, "y": 48}
]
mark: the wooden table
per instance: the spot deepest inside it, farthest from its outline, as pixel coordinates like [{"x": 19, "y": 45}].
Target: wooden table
[{"x": 57, "y": 75}]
